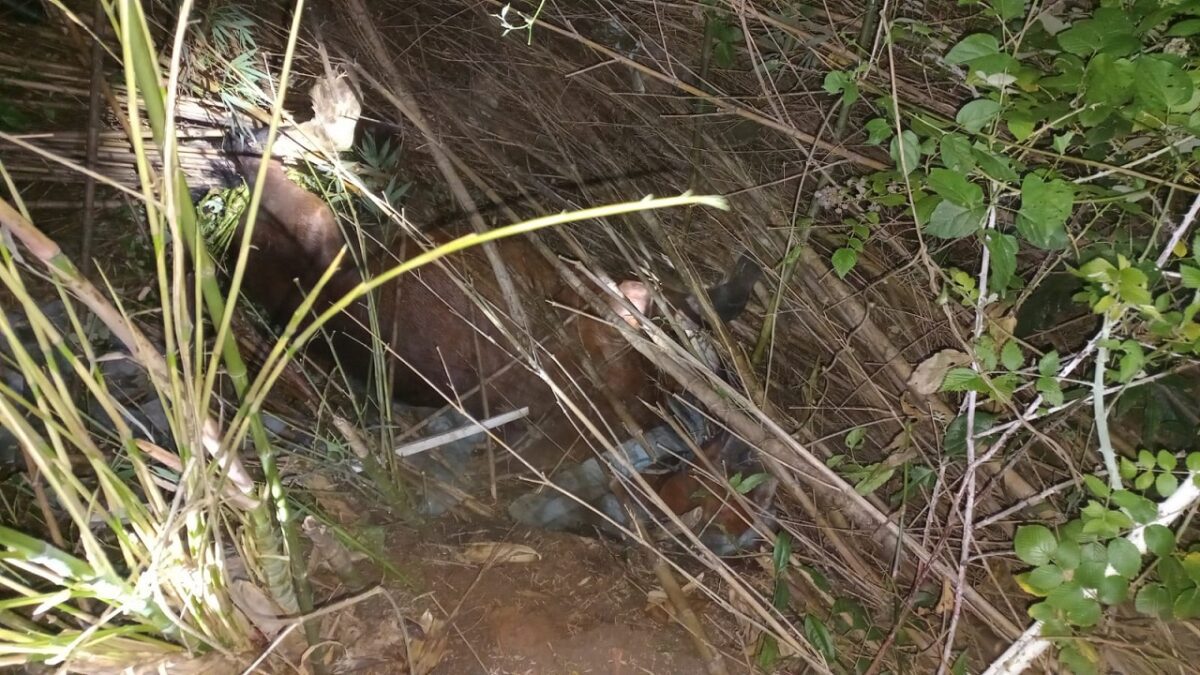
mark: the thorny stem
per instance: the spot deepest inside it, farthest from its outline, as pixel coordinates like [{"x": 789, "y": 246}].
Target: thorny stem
[
  {"x": 968, "y": 514},
  {"x": 1102, "y": 438}
]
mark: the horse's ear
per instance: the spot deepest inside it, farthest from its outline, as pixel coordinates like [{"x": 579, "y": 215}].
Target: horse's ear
[
  {"x": 729, "y": 298},
  {"x": 638, "y": 295}
]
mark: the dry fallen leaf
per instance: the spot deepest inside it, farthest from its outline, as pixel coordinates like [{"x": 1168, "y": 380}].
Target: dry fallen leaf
[
  {"x": 427, "y": 651},
  {"x": 946, "y": 601},
  {"x": 659, "y": 606},
  {"x": 258, "y": 607},
  {"x": 497, "y": 553},
  {"x": 325, "y": 492},
  {"x": 328, "y": 550},
  {"x": 1002, "y": 328},
  {"x": 927, "y": 378}
]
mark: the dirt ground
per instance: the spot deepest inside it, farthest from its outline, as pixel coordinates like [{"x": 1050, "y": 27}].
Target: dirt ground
[{"x": 580, "y": 607}]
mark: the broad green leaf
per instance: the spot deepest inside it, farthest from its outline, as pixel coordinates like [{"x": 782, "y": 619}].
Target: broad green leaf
[
  {"x": 1166, "y": 484},
  {"x": 782, "y": 552},
  {"x": 1132, "y": 286},
  {"x": 1070, "y": 74},
  {"x": 1068, "y": 554},
  {"x": 874, "y": 480},
  {"x": 843, "y": 261},
  {"x": 956, "y": 153},
  {"x": 1050, "y": 390},
  {"x": 1146, "y": 459},
  {"x": 1124, "y": 557},
  {"x": 878, "y": 131},
  {"x": 1035, "y": 544},
  {"x": 985, "y": 352},
  {"x": 1165, "y": 460},
  {"x": 1011, "y": 355},
  {"x": 1020, "y": 124},
  {"x": 997, "y": 70},
  {"x": 819, "y": 637},
  {"x": 836, "y": 81},
  {"x": 855, "y": 437},
  {"x": 1062, "y": 141},
  {"x": 1191, "y": 565},
  {"x": 1172, "y": 573},
  {"x": 1108, "y": 81},
  {"x": 951, "y": 221},
  {"x": 971, "y": 48},
  {"x": 750, "y": 482},
  {"x": 1002, "y": 387},
  {"x": 1041, "y": 611},
  {"x": 1094, "y": 551},
  {"x": 1048, "y": 365},
  {"x": 1045, "y": 208},
  {"x": 994, "y": 165},
  {"x": 1003, "y": 251},
  {"x": 1154, "y": 600},
  {"x": 911, "y": 147},
  {"x": 1159, "y": 84},
  {"x": 1185, "y": 28},
  {"x": 840, "y": 81},
  {"x": 977, "y": 114},
  {"x": 1128, "y": 469},
  {"x": 1098, "y": 270},
  {"x": 1187, "y": 604},
  {"x": 1070, "y": 599},
  {"x": 1160, "y": 540},
  {"x": 1108, "y": 30},
  {"x": 955, "y": 440},
  {"x": 1008, "y": 10},
  {"x": 1112, "y": 590},
  {"x": 1141, "y": 509},
  {"x": 1096, "y": 486},
  {"x": 1131, "y": 363},
  {"x": 1081, "y": 39},
  {"x": 1090, "y": 574},
  {"x": 955, "y": 187},
  {"x": 1189, "y": 276},
  {"x": 1045, "y": 578},
  {"x": 1193, "y": 462}
]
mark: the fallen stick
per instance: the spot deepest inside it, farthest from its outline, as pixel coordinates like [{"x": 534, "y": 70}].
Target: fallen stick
[{"x": 416, "y": 447}]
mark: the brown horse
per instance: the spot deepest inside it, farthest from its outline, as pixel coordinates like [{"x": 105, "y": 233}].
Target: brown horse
[{"x": 444, "y": 345}]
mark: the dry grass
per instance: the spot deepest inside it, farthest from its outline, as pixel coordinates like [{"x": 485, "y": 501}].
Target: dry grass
[{"x": 575, "y": 119}]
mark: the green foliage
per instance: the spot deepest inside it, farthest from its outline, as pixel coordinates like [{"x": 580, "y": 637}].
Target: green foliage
[
  {"x": 819, "y": 637},
  {"x": 386, "y": 164},
  {"x": 767, "y": 653},
  {"x": 724, "y": 37},
  {"x": 844, "y": 259},
  {"x": 218, "y": 215},
  {"x": 1089, "y": 563},
  {"x": 842, "y": 82},
  {"x": 743, "y": 485}
]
